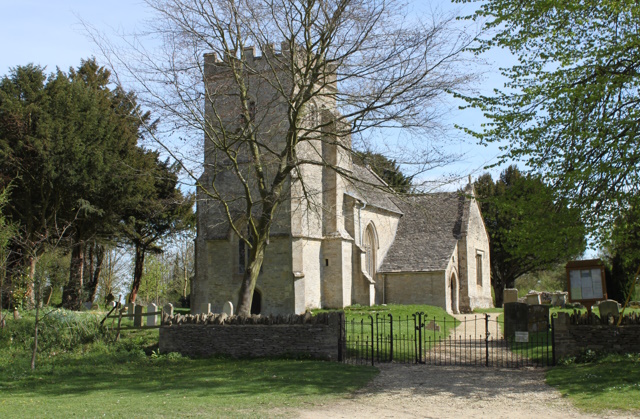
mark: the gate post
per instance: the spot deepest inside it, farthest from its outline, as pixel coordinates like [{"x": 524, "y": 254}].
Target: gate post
[
  {"x": 390, "y": 337},
  {"x": 372, "y": 345},
  {"x": 486, "y": 338},
  {"x": 553, "y": 340}
]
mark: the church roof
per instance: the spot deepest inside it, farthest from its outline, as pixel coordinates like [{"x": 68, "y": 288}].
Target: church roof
[
  {"x": 428, "y": 232},
  {"x": 369, "y": 188}
]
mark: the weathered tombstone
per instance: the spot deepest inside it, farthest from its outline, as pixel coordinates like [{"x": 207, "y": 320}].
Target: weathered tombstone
[
  {"x": 538, "y": 318},
  {"x": 205, "y": 308},
  {"x": 533, "y": 299},
  {"x": 608, "y": 308},
  {"x": 152, "y": 319},
  {"x": 510, "y": 295},
  {"x": 16, "y": 314},
  {"x": 433, "y": 326},
  {"x": 111, "y": 304},
  {"x": 228, "y": 308},
  {"x": 87, "y": 305},
  {"x": 168, "y": 309},
  {"x": 130, "y": 308},
  {"x": 516, "y": 317},
  {"x": 137, "y": 318}
]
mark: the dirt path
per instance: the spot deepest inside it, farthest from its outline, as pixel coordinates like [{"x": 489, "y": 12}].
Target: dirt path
[
  {"x": 427, "y": 391},
  {"x": 423, "y": 391}
]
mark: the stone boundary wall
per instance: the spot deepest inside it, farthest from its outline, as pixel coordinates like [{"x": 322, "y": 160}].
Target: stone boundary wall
[
  {"x": 571, "y": 338},
  {"x": 315, "y": 337}
]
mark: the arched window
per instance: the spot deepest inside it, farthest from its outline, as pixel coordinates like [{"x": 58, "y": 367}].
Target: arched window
[{"x": 370, "y": 251}]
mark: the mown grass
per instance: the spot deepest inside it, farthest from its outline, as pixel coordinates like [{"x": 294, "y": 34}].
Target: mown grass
[
  {"x": 99, "y": 377},
  {"x": 610, "y": 382}
]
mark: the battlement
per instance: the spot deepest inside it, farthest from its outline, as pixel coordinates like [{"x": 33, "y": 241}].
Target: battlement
[{"x": 213, "y": 62}]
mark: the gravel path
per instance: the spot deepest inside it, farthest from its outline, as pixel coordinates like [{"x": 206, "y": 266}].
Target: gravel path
[{"x": 427, "y": 391}]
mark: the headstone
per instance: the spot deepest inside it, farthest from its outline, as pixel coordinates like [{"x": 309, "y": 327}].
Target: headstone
[
  {"x": 168, "y": 309},
  {"x": 538, "y": 318},
  {"x": 433, "y": 326},
  {"x": 608, "y": 308},
  {"x": 206, "y": 308},
  {"x": 510, "y": 295},
  {"x": 228, "y": 308},
  {"x": 516, "y": 317},
  {"x": 152, "y": 320},
  {"x": 137, "y": 318},
  {"x": 87, "y": 305},
  {"x": 130, "y": 308},
  {"x": 16, "y": 314},
  {"x": 111, "y": 304},
  {"x": 533, "y": 299}
]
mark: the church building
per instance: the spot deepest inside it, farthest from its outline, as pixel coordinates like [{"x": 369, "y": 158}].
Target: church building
[{"x": 352, "y": 241}]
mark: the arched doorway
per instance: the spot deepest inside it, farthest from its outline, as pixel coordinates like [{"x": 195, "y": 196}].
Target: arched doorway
[
  {"x": 256, "y": 303},
  {"x": 454, "y": 293}
]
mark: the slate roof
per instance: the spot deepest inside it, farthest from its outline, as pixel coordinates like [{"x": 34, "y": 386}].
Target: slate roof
[
  {"x": 368, "y": 187},
  {"x": 427, "y": 232}
]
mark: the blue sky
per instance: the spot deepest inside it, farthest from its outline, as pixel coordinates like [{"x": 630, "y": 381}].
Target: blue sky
[{"x": 49, "y": 33}]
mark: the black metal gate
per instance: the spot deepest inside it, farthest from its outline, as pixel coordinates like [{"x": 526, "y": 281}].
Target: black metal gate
[{"x": 416, "y": 339}]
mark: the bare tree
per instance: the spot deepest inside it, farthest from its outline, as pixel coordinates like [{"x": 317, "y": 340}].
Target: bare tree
[{"x": 273, "y": 118}]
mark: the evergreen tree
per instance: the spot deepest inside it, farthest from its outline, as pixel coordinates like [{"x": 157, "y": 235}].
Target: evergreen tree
[{"x": 530, "y": 228}]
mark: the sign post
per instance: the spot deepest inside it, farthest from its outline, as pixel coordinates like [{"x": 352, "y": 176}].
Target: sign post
[{"x": 586, "y": 282}]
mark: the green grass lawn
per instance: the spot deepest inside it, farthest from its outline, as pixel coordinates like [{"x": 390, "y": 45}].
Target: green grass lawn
[
  {"x": 611, "y": 382},
  {"x": 88, "y": 376}
]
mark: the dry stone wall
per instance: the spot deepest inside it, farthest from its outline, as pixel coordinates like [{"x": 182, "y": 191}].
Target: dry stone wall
[
  {"x": 210, "y": 334},
  {"x": 574, "y": 334}
]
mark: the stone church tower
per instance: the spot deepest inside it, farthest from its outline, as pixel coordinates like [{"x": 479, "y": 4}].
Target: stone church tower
[{"x": 341, "y": 237}]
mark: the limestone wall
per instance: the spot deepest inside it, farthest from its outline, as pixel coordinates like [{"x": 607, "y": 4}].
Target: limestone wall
[
  {"x": 314, "y": 339},
  {"x": 416, "y": 288},
  {"x": 476, "y": 243},
  {"x": 571, "y": 339},
  {"x": 218, "y": 279}
]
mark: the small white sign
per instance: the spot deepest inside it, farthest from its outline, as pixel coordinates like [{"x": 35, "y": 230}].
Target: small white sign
[{"x": 522, "y": 336}]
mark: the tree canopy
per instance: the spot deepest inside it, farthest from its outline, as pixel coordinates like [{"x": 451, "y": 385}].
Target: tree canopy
[
  {"x": 530, "y": 228},
  {"x": 387, "y": 169},
  {"x": 69, "y": 148},
  {"x": 571, "y": 105}
]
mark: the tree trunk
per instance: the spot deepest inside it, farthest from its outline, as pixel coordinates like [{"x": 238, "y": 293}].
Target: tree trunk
[
  {"x": 72, "y": 292},
  {"x": 92, "y": 286},
  {"x": 137, "y": 273},
  {"x": 250, "y": 278}
]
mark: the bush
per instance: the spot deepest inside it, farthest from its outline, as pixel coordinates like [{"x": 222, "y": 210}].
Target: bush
[{"x": 59, "y": 330}]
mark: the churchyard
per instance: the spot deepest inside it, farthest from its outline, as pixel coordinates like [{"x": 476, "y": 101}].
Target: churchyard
[{"x": 81, "y": 371}]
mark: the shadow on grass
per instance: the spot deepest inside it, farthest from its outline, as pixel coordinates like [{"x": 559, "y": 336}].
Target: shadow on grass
[
  {"x": 609, "y": 383},
  {"x": 124, "y": 373}
]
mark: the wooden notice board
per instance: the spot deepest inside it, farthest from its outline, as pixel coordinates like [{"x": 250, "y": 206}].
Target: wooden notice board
[{"x": 586, "y": 282}]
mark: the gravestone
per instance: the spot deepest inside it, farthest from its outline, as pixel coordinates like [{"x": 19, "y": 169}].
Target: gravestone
[
  {"x": 111, "y": 304},
  {"x": 87, "y": 305},
  {"x": 168, "y": 309},
  {"x": 510, "y": 295},
  {"x": 205, "y": 308},
  {"x": 433, "y": 326},
  {"x": 516, "y": 317},
  {"x": 608, "y": 308},
  {"x": 538, "y": 318},
  {"x": 228, "y": 308},
  {"x": 130, "y": 307},
  {"x": 533, "y": 299},
  {"x": 137, "y": 318},
  {"x": 152, "y": 320}
]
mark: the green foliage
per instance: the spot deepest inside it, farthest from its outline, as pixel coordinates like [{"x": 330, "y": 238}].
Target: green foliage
[
  {"x": 59, "y": 330},
  {"x": 623, "y": 249},
  {"x": 597, "y": 381},
  {"x": 570, "y": 107},
  {"x": 553, "y": 279},
  {"x": 387, "y": 169},
  {"x": 530, "y": 228}
]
